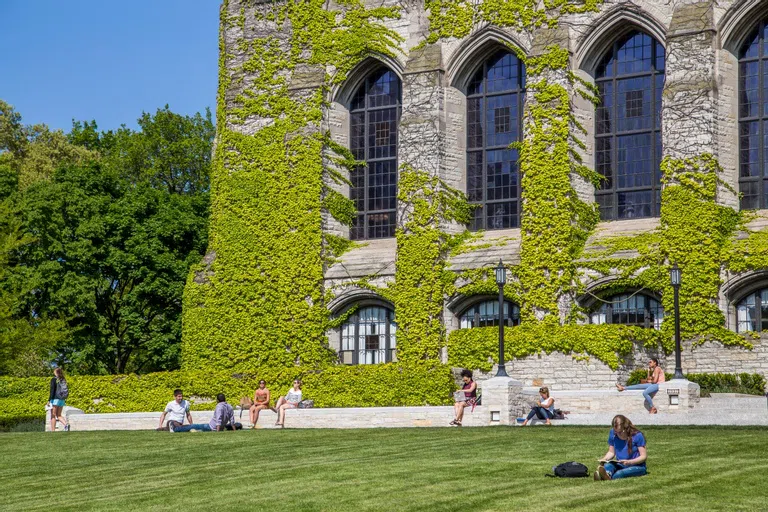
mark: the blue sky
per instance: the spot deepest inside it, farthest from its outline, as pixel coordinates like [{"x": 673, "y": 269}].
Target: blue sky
[{"x": 107, "y": 60}]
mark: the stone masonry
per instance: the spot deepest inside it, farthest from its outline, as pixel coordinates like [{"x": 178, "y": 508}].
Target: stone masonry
[{"x": 699, "y": 114}]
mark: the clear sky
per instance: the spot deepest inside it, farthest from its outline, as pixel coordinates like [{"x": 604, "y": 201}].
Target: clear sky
[{"x": 107, "y": 60}]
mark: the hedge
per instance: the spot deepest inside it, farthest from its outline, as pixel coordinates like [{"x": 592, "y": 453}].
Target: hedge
[
  {"x": 746, "y": 383},
  {"x": 392, "y": 384}
]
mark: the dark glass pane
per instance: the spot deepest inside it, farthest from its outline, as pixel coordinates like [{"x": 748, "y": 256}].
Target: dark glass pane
[
  {"x": 634, "y": 54},
  {"x": 474, "y": 123},
  {"x": 501, "y": 215},
  {"x": 502, "y": 73},
  {"x": 605, "y": 205},
  {"x": 659, "y": 89},
  {"x": 475, "y": 176},
  {"x": 501, "y": 120},
  {"x": 501, "y": 174},
  {"x": 476, "y": 84},
  {"x": 749, "y": 89},
  {"x": 382, "y": 185},
  {"x": 634, "y": 204},
  {"x": 357, "y": 135},
  {"x": 604, "y": 162},
  {"x": 357, "y": 230},
  {"x": 660, "y": 57},
  {"x": 633, "y": 104},
  {"x": 477, "y": 219},
  {"x": 634, "y": 161},
  {"x": 381, "y": 225},
  {"x": 751, "y": 46},
  {"x": 605, "y": 68},
  {"x": 749, "y": 149},
  {"x": 382, "y": 133},
  {"x": 384, "y": 89},
  {"x": 750, "y": 195},
  {"x": 604, "y": 113}
]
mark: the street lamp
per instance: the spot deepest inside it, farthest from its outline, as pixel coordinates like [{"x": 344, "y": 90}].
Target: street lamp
[
  {"x": 674, "y": 278},
  {"x": 501, "y": 279}
]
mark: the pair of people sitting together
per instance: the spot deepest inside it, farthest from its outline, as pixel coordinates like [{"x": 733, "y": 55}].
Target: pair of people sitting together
[
  {"x": 262, "y": 397},
  {"x": 178, "y": 409}
]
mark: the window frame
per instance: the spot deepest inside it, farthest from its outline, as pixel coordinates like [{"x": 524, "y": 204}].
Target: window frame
[
  {"x": 483, "y": 148},
  {"x": 390, "y": 351},
  {"x": 366, "y": 110},
  {"x": 758, "y": 319},
  {"x": 512, "y": 320},
  {"x": 614, "y": 134},
  {"x": 609, "y": 303}
]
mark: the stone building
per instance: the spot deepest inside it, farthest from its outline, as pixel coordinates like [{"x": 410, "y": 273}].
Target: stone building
[{"x": 676, "y": 78}]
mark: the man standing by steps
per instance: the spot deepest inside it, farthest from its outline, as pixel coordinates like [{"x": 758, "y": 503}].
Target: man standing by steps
[
  {"x": 649, "y": 385},
  {"x": 176, "y": 410}
]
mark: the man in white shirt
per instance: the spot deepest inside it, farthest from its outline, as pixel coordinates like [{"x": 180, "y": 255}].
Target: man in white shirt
[{"x": 176, "y": 410}]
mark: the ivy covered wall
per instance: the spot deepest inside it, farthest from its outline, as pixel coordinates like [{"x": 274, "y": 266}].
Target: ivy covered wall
[{"x": 259, "y": 299}]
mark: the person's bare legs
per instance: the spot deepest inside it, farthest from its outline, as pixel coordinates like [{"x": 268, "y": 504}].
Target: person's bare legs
[
  {"x": 619, "y": 387},
  {"x": 460, "y": 412},
  {"x": 280, "y": 402},
  {"x": 455, "y": 412},
  {"x": 252, "y": 414},
  {"x": 256, "y": 410},
  {"x": 281, "y": 412},
  {"x": 53, "y": 419},
  {"x": 56, "y": 414}
]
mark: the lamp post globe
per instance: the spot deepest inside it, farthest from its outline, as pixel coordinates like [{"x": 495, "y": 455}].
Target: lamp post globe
[{"x": 501, "y": 279}]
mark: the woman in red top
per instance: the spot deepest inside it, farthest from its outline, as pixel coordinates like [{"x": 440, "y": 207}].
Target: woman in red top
[{"x": 470, "y": 397}]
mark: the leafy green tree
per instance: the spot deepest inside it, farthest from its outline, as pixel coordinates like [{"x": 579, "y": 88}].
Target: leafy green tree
[{"x": 111, "y": 257}]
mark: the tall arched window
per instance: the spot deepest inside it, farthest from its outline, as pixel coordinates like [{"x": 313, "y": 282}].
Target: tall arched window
[
  {"x": 486, "y": 314},
  {"x": 374, "y": 117},
  {"x": 639, "y": 310},
  {"x": 494, "y": 121},
  {"x": 752, "y": 312},
  {"x": 629, "y": 79},
  {"x": 368, "y": 336},
  {"x": 753, "y": 119}
]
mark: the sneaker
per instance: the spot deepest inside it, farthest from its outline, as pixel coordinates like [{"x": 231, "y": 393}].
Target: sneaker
[
  {"x": 194, "y": 430},
  {"x": 603, "y": 473},
  {"x": 170, "y": 428},
  {"x": 66, "y": 427}
]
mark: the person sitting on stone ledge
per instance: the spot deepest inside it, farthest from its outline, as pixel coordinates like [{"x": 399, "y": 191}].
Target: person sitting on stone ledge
[
  {"x": 467, "y": 397},
  {"x": 544, "y": 409},
  {"x": 223, "y": 419},
  {"x": 626, "y": 453},
  {"x": 650, "y": 385},
  {"x": 176, "y": 410},
  {"x": 260, "y": 402},
  {"x": 289, "y": 401}
]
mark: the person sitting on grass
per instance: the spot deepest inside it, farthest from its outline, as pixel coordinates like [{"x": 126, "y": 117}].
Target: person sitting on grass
[
  {"x": 176, "y": 410},
  {"x": 289, "y": 401},
  {"x": 223, "y": 419},
  {"x": 650, "y": 385},
  {"x": 544, "y": 408},
  {"x": 469, "y": 397},
  {"x": 626, "y": 453},
  {"x": 260, "y": 402}
]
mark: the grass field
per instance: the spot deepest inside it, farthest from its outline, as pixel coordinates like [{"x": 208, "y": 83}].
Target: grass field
[{"x": 387, "y": 469}]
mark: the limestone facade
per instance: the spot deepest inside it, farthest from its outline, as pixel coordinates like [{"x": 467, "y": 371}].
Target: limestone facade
[{"x": 699, "y": 114}]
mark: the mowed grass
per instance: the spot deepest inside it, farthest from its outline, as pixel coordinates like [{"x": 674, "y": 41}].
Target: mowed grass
[{"x": 419, "y": 469}]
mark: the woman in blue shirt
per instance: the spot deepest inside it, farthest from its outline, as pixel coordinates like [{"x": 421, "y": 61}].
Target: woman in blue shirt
[{"x": 627, "y": 445}]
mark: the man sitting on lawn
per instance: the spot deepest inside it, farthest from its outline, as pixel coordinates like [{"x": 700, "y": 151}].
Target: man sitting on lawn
[
  {"x": 176, "y": 410},
  {"x": 223, "y": 419}
]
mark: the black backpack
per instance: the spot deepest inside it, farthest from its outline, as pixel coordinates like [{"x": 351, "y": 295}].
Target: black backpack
[{"x": 571, "y": 470}]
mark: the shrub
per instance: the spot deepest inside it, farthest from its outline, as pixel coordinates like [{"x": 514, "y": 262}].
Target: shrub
[{"x": 746, "y": 383}]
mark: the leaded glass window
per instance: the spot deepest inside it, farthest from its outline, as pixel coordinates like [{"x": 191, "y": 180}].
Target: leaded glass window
[
  {"x": 368, "y": 336},
  {"x": 639, "y": 310},
  {"x": 753, "y": 119},
  {"x": 494, "y": 121},
  {"x": 629, "y": 79},
  {"x": 486, "y": 314},
  {"x": 752, "y": 312},
  {"x": 374, "y": 117}
]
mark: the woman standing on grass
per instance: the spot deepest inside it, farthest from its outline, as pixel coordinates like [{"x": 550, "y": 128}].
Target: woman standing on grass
[
  {"x": 260, "y": 402},
  {"x": 627, "y": 445},
  {"x": 57, "y": 397},
  {"x": 289, "y": 401},
  {"x": 469, "y": 398}
]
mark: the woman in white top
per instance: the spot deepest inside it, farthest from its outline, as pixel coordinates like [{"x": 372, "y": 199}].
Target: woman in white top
[
  {"x": 289, "y": 401},
  {"x": 544, "y": 408}
]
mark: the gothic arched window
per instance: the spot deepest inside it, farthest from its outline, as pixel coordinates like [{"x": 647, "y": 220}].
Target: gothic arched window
[
  {"x": 374, "y": 117},
  {"x": 486, "y": 314},
  {"x": 368, "y": 336},
  {"x": 630, "y": 79},
  {"x": 494, "y": 121},
  {"x": 753, "y": 119},
  {"x": 639, "y": 310}
]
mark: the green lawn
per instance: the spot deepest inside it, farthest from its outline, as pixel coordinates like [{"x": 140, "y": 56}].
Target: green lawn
[{"x": 387, "y": 469}]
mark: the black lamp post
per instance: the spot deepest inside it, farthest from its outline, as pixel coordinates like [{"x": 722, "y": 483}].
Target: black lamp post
[
  {"x": 501, "y": 279},
  {"x": 674, "y": 278}
]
